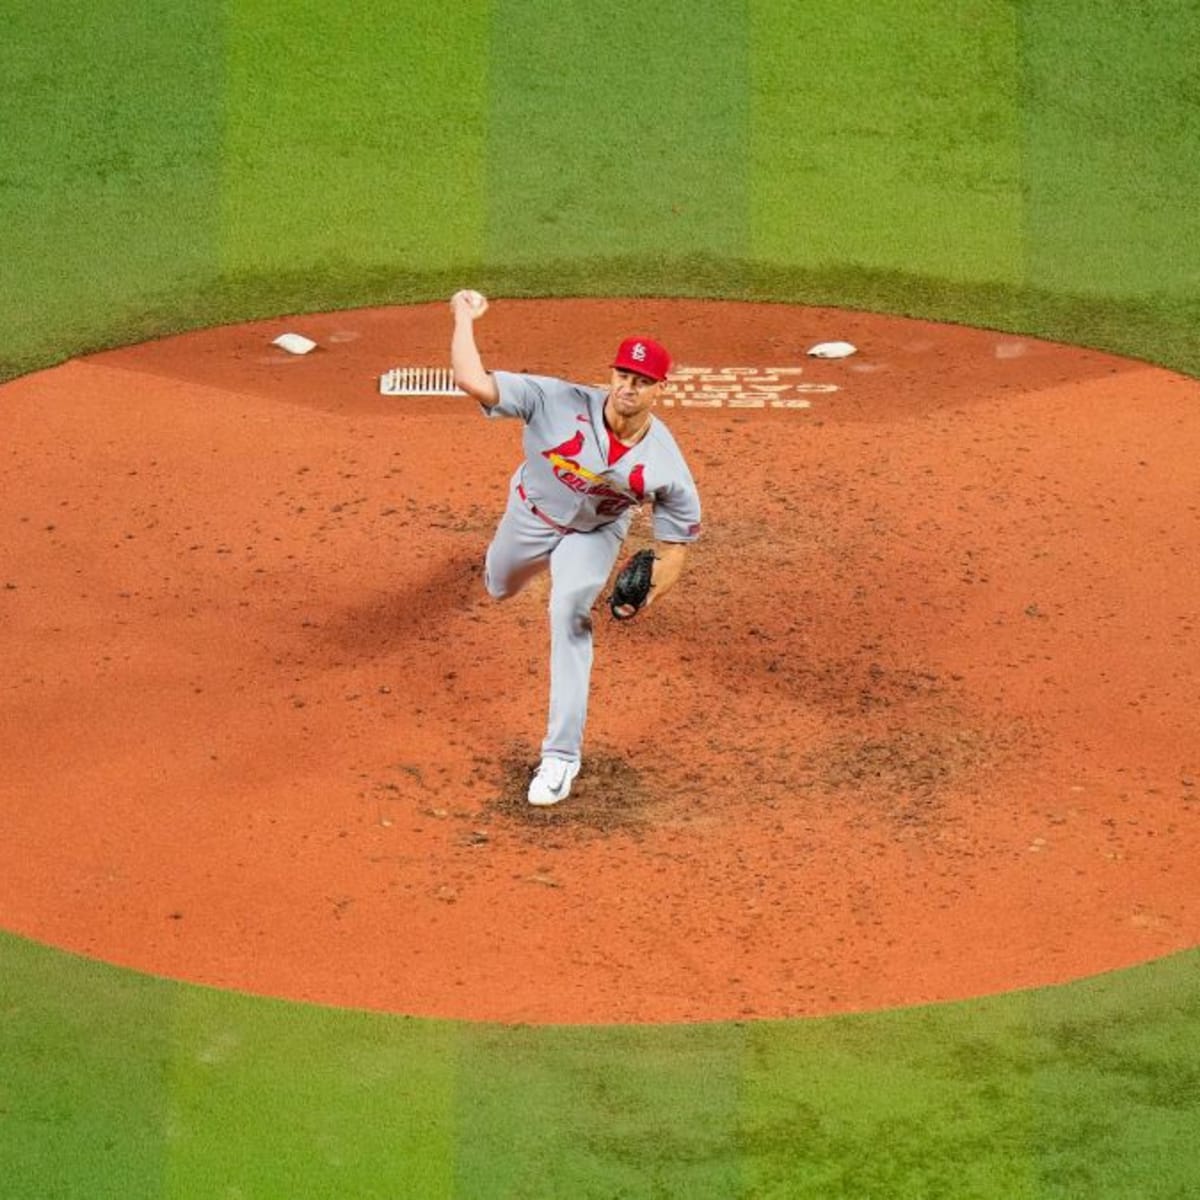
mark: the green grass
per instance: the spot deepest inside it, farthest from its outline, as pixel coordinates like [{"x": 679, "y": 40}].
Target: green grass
[
  {"x": 623, "y": 136},
  {"x": 110, "y": 122},
  {"x": 353, "y": 138},
  {"x": 888, "y": 138},
  {"x": 116, "y": 1084},
  {"x": 1111, "y": 111},
  {"x": 1029, "y": 166}
]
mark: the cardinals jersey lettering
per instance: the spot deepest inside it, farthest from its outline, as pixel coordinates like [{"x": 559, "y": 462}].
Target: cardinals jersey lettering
[{"x": 566, "y": 474}]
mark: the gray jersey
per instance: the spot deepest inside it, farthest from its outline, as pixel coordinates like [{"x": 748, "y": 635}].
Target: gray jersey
[{"x": 566, "y": 473}]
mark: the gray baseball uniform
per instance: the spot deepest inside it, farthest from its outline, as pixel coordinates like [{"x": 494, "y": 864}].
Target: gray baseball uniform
[{"x": 570, "y": 505}]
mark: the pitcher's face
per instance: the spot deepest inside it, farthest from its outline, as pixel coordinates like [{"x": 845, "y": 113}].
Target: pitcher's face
[{"x": 633, "y": 394}]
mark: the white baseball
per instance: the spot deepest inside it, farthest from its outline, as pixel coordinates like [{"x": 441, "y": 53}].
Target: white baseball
[{"x": 476, "y": 300}]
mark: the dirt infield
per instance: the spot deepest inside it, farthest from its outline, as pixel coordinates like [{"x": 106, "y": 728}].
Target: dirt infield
[{"x": 919, "y": 723}]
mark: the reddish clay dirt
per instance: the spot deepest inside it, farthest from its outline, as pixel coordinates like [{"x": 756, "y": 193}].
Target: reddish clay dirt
[{"x": 919, "y": 723}]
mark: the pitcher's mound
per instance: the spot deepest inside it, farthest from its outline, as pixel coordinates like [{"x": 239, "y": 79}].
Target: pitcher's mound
[{"x": 919, "y": 723}]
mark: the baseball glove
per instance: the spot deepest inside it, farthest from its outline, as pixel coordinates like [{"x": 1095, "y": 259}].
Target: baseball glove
[{"x": 631, "y": 589}]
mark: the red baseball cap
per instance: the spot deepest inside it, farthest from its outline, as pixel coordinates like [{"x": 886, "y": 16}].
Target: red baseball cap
[{"x": 643, "y": 356}]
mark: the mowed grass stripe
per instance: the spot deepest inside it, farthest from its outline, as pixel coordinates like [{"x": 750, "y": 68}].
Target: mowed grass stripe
[
  {"x": 353, "y": 138},
  {"x": 617, "y": 131},
  {"x": 1112, "y": 149},
  {"x": 1091, "y": 1089},
  {"x": 109, "y": 167},
  {"x": 617, "y": 1111},
  {"x": 84, "y": 1076},
  {"x": 887, "y": 138},
  {"x": 269, "y": 1099}
]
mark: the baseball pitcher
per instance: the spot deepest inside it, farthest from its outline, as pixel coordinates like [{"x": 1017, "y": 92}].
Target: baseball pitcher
[{"x": 591, "y": 457}]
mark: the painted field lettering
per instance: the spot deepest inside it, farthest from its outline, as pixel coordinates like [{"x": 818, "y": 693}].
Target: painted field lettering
[{"x": 742, "y": 387}]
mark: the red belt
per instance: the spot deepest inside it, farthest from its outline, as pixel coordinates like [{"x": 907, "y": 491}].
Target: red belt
[{"x": 537, "y": 512}]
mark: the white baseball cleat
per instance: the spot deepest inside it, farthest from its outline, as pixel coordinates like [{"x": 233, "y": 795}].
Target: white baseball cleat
[{"x": 553, "y": 780}]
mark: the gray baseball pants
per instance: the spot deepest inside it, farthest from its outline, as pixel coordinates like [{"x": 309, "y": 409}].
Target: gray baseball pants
[{"x": 579, "y": 563}]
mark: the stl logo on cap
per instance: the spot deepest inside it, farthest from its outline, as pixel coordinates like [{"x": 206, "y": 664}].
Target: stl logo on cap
[{"x": 643, "y": 356}]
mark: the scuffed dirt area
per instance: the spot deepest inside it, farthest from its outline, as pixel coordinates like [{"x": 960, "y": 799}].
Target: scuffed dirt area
[
  {"x": 918, "y": 724},
  {"x": 607, "y": 796}
]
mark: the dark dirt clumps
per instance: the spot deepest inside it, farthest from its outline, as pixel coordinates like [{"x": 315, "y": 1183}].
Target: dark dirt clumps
[{"x": 608, "y": 796}]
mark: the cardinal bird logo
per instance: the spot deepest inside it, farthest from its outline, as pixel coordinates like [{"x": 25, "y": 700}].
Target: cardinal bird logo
[
  {"x": 565, "y": 460},
  {"x": 637, "y": 481}
]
